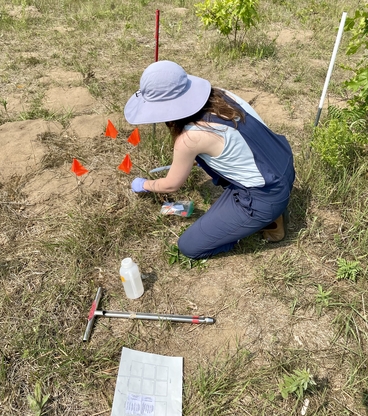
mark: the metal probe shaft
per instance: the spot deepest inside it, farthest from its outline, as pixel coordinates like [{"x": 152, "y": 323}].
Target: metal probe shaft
[
  {"x": 94, "y": 312},
  {"x": 156, "y": 317}
]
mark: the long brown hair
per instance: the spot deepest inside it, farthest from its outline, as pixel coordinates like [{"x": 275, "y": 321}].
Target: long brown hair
[{"x": 216, "y": 104}]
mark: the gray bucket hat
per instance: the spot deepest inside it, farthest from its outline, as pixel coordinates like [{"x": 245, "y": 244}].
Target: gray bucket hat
[{"x": 167, "y": 93}]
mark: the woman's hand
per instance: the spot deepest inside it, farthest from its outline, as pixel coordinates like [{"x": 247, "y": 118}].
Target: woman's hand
[{"x": 137, "y": 185}]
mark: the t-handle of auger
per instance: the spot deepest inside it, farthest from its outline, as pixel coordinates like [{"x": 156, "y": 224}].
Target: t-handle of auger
[{"x": 92, "y": 316}]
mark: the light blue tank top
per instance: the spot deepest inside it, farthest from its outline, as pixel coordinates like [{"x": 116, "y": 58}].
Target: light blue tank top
[{"x": 236, "y": 161}]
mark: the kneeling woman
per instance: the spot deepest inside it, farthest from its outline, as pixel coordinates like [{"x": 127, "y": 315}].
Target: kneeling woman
[{"x": 231, "y": 143}]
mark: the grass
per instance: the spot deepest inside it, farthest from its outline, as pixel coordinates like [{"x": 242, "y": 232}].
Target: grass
[{"x": 287, "y": 314}]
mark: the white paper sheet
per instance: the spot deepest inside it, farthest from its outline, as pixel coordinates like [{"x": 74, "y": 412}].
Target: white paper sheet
[{"x": 148, "y": 385}]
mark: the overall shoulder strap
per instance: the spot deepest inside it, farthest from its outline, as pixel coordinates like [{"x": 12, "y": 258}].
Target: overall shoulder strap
[{"x": 272, "y": 152}]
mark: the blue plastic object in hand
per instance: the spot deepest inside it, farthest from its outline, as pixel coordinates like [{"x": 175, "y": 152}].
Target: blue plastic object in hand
[{"x": 137, "y": 185}]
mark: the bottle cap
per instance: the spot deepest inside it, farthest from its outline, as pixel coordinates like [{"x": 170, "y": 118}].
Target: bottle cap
[{"x": 126, "y": 262}]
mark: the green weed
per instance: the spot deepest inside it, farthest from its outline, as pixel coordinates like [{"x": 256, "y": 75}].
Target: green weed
[
  {"x": 175, "y": 256},
  {"x": 38, "y": 400},
  {"x": 348, "y": 269},
  {"x": 323, "y": 298},
  {"x": 297, "y": 383}
]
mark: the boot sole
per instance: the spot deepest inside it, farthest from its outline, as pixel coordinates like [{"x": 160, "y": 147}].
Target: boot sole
[{"x": 285, "y": 222}]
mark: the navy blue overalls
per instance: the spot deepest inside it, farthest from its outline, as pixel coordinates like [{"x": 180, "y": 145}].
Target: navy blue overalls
[{"x": 242, "y": 211}]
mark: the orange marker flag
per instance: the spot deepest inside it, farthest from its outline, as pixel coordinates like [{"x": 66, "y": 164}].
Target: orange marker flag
[
  {"x": 78, "y": 168},
  {"x": 111, "y": 131},
  {"x": 135, "y": 137},
  {"x": 126, "y": 164}
]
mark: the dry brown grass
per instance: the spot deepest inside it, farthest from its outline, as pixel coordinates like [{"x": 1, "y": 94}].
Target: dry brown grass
[{"x": 61, "y": 238}]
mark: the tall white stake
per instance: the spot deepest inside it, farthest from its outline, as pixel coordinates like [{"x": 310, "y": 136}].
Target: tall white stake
[{"x": 332, "y": 62}]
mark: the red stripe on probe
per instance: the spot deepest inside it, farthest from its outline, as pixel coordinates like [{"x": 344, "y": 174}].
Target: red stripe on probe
[
  {"x": 92, "y": 311},
  {"x": 195, "y": 319}
]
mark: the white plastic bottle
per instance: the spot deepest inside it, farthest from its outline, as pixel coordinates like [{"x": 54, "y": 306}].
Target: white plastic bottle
[{"x": 131, "y": 278}]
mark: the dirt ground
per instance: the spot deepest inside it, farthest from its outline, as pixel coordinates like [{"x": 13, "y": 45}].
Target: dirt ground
[
  {"x": 22, "y": 152},
  {"x": 226, "y": 289},
  {"x": 45, "y": 190}
]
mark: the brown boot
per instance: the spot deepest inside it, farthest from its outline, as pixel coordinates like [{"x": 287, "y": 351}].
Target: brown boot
[{"x": 276, "y": 231}]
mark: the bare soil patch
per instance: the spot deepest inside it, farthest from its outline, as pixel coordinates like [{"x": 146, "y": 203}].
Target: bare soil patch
[{"x": 23, "y": 152}]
